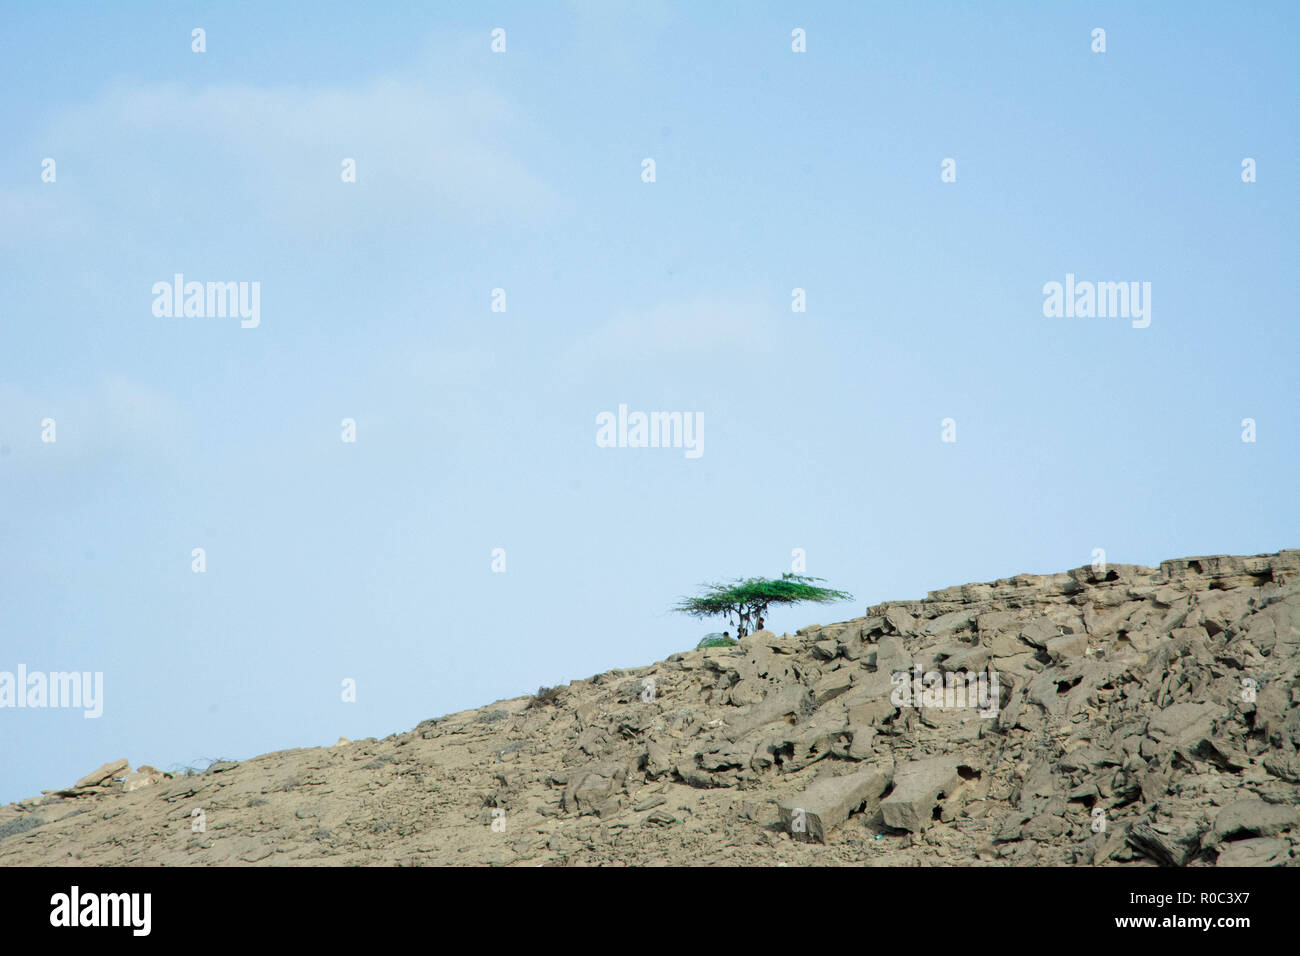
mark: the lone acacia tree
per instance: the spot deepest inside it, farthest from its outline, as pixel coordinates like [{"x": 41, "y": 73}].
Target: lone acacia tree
[{"x": 746, "y": 600}]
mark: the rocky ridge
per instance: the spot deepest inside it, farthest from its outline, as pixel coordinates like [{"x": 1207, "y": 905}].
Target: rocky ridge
[{"x": 1140, "y": 716}]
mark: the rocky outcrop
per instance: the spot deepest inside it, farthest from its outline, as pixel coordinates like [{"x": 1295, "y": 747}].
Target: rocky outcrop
[{"x": 1116, "y": 716}]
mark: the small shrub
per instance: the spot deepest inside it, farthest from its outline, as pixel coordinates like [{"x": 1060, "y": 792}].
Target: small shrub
[
  {"x": 716, "y": 640},
  {"x": 546, "y": 697},
  {"x": 21, "y": 825}
]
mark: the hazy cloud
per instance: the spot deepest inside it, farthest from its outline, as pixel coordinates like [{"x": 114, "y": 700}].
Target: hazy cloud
[
  {"x": 420, "y": 155},
  {"x": 113, "y": 417},
  {"x": 704, "y": 325}
]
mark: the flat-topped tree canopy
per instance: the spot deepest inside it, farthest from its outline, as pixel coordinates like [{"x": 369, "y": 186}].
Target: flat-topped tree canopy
[{"x": 746, "y": 600}]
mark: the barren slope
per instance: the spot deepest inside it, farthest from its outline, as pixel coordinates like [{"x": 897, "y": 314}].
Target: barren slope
[{"x": 1144, "y": 715}]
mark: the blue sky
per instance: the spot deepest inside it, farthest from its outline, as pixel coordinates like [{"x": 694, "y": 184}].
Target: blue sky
[{"x": 522, "y": 170}]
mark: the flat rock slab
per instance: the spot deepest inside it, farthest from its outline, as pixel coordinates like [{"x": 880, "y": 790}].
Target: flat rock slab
[
  {"x": 106, "y": 772},
  {"x": 827, "y": 803},
  {"x": 1252, "y": 818},
  {"x": 966, "y": 659},
  {"x": 590, "y": 787},
  {"x": 779, "y": 704},
  {"x": 832, "y": 685},
  {"x": 946, "y": 623},
  {"x": 1261, "y": 851},
  {"x": 1069, "y": 645},
  {"x": 892, "y": 656},
  {"x": 1284, "y": 766},
  {"x": 1184, "y": 721},
  {"x": 1172, "y": 848},
  {"x": 902, "y": 622},
  {"x": 860, "y": 748},
  {"x": 137, "y": 781},
  {"x": 917, "y": 788}
]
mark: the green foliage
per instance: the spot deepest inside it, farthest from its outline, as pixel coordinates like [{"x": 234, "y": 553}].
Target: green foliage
[
  {"x": 715, "y": 640},
  {"x": 746, "y": 600}
]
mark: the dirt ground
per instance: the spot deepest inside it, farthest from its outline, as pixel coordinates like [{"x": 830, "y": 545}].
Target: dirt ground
[{"x": 1141, "y": 716}]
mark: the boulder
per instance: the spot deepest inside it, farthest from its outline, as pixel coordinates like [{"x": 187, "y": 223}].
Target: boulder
[
  {"x": 918, "y": 786},
  {"x": 829, "y": 801},
  {"x": 832, "y": 685},
  {"x": 780, "y": 703},
  {"x": 1252, "y": 818},
  {"x": 1166, "y": 846},
  {"x": 1261, "y": 851},
  {"x": 966, "y": 659},
  {"x": 1184, "y": 722},
  {"x": 1068, "y": 645},
  {"x": 901, "y": 622},
  {"x": 591, "y": 787},
  {"x": 949, "y": 623},
  {"x": 892, "y": 656},
  {"x": 144, "y": 776},
  {"x": 655, "y": 761},
  {"x": 104, "y": 774}
]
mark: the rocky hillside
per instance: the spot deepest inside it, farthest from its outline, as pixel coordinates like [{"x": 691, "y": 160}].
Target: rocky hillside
[{"x": 1139, "y": 716}]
